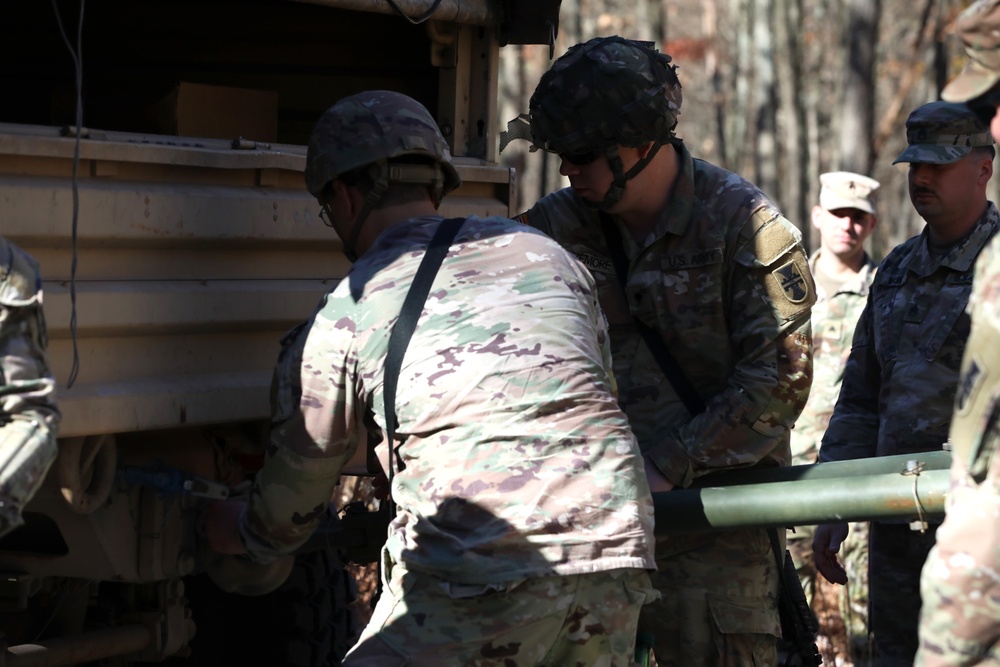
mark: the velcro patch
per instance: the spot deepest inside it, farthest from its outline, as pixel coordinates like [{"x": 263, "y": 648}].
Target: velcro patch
[
  {"x": 794, "y": 285},
  {"x": 595, "y": 263},
  {"x": 789, "y": 288},
  {"x": 690, "y": 260}
]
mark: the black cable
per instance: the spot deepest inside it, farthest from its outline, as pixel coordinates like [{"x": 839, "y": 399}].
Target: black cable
[{"x": 77, "y": 56}]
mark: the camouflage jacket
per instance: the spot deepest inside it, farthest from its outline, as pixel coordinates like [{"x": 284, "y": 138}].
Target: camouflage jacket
[
  {"x": 516, "y": 459},
  {"x": 29, "y": 416},
  {"x": 900, "y": 381},
  {"x": 960, "y": 585},
  {"x": 724, "y": 280},
  {"x": 834, "y": 317}
]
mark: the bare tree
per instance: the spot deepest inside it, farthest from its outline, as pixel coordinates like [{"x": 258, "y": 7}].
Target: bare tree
[{"x": 857, "y": 116}]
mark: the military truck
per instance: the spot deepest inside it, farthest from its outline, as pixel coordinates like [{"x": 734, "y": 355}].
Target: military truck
[{"x": 151, "y": 158}]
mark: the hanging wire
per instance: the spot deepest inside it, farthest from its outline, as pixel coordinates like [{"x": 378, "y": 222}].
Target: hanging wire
[{"x": 77, "y": 55}]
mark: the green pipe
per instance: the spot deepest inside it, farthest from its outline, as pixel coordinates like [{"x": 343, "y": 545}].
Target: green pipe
[
  {"x": 813, "y": 500},
  {"x": 939, "y": 460}
]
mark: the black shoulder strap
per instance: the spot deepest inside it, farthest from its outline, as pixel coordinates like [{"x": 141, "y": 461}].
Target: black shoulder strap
[
  {"x": 403, "y": 330},
  {"x": 671, "y": 369}
]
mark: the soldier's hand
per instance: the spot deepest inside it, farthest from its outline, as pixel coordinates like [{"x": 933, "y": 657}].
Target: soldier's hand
[
  {"x": 221, "y": 521},
  {"x": 657, "y": 481},
  {"x": 826, "y": 545}
]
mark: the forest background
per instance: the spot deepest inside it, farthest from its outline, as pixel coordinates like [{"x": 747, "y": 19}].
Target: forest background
[{"x": 778, "y": 91}]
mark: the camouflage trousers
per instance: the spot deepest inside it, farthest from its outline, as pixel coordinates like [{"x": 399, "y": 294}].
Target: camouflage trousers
[
  {"x": 896, "y": 557},
  {"x": 718, "y": 602},
  {"x": 853, "y": 598},
  {"x": 559, "y": 621}
]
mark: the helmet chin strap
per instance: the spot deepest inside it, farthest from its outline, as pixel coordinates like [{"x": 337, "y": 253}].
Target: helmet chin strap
[
  {"x": 381, "y": 174},
  {"x": 620, "y": 177}
]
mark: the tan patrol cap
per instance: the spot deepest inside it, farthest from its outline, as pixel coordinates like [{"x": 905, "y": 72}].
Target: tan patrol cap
[
  {"x": 844, "y": 189},
  {"x": 979, "y": 29}
]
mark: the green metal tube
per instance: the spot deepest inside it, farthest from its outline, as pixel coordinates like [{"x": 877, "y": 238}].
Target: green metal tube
[
  {"x": 939, "y": 460},
  {"x": 883, "y": 497}
]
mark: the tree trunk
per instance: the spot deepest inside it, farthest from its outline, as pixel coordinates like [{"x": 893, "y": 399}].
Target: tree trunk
[
  {"x": 765, "y": 99},
  {"x": 857, "y": 115}
]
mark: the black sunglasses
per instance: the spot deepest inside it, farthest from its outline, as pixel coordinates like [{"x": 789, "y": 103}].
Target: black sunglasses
[{"x": 580, "y": 159}]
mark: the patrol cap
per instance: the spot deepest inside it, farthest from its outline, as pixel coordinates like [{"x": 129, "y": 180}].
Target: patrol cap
[
  {"x": 979, "y": 29},
  {"x": 942, "y": 132},
  {"x": 845, "y": 189}
]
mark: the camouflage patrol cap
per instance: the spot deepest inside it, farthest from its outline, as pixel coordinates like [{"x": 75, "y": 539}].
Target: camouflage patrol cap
[
  {"x": 372, "y": 127},
  {"x": 844, "y": 189},
  {"x": 979, "y": 29},
  {"x": 605, "y": 91},
  {"x": 942, "y": 132}
]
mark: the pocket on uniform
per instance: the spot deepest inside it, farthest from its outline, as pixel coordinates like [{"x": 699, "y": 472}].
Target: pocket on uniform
[
  {"x": 745, "y": 616},
  {"x": 639, "y": 589}
]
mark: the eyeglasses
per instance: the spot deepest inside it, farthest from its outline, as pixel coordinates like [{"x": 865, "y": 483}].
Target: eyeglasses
[
  {"x": 580, "y": 159},
  {"x": 325, "y": 215}
]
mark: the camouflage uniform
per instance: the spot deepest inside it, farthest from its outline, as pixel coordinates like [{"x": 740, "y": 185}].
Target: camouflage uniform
[
  {"x": 723, "y": 278},
  {"x": 960, "y": 616},
  {"x": 29, "y": 416},
  {"x": 525, "y": 521},
  {"x": 960, "y": 585},
  {"x": 900, "y": 381},
  {"x": 834, "y": 317}
]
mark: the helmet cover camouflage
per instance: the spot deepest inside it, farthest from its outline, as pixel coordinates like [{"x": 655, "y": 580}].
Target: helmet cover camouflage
[
  {"x": 942, "y": 132},
  {"x": 372, "y": 127},
  {"x": 606, "y": 91}
]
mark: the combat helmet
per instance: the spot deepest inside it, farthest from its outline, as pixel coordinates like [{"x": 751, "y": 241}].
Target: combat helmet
[
  {"x": 375, "y": 129},
  {"x": 605, "y": 92}
]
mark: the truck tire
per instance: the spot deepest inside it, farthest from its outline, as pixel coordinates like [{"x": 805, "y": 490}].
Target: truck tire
[{"x": 306, "y": 622}]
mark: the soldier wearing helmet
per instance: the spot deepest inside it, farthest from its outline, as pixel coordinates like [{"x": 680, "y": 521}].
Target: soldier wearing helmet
[
  {"x": 523, "y": 508},
  {"x": 707, "y": 292},
  {"x": 959, "y": 586},
  {"x": 28, "y": 414}
]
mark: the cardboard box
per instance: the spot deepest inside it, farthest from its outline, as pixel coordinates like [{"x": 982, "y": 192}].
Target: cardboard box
[{"x": 220, "y": 112}]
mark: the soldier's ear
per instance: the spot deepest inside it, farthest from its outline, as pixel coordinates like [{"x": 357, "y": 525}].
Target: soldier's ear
[
  {"x": 346, "y": 199},
  {"x": 986, "y": 170},
  {"x": 817, "y": 216}
]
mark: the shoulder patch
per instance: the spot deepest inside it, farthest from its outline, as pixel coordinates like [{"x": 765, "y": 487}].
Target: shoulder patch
[
  {"x": 521, "y": 217},
  {"x": 790, "y": 287},
  {"x": 794, "y": 285}
]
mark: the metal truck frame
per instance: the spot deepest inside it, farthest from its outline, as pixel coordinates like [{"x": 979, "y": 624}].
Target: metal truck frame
[{"x": 178, "y": 244}]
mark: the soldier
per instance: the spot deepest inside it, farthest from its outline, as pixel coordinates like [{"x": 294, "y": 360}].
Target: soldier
[
  {"x": 960, "y": 583},
  {"x": 29, "y": 416},
  {"x": 525, "y": 521},
  {"x": 707, "y": 291},
  {"x": 903, "y": 370},
  {"x": 845, "y": 217}
]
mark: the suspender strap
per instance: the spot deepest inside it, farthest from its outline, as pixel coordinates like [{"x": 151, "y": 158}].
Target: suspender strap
[
  {"x": 671, "y": 369},
  {"x": 403, "y": 330}
]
